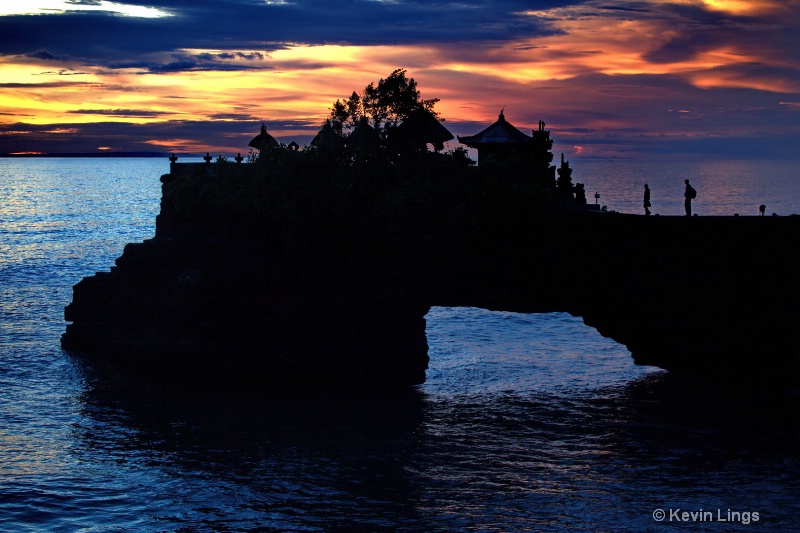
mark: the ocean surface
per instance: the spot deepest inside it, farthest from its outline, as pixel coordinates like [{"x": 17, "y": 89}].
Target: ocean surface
[{"x": 526, "y": 422}]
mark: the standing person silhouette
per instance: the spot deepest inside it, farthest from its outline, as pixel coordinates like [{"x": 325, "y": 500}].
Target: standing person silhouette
[
  {"x": 646, "y": 199},
  {"x": 689, "y": 194}
]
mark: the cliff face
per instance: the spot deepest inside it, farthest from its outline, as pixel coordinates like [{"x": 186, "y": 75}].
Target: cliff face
[
  {"x": 715, "y": 297},
  {"x": 284, "y": 280}
]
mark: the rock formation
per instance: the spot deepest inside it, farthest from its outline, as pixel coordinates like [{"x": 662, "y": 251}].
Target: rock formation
[{"x": 300, "y": 276}]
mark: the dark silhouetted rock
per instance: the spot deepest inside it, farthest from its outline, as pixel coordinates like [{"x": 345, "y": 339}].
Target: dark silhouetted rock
[{"x": 288, "y": 275}]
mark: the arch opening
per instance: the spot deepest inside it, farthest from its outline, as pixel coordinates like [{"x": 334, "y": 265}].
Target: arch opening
[{"x": 474, "y": 350}]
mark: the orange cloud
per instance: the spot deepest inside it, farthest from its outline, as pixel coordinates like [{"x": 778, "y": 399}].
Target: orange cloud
[{"x": 745, "y": 7}]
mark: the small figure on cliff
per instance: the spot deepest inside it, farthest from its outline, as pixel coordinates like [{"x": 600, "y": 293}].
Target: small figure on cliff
[
  {"x": 762, "y": 209},
  {"x": 689, "y": 194},
  {"x": 646, "y": 199}
]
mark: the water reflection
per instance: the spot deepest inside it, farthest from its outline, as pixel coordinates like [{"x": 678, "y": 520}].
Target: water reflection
[
  {"x": 289, "y": 460},
  {"x": 527, "y": 421},
  {"x": 716, "y": 421},
  {"x": 496, "y": 461}
]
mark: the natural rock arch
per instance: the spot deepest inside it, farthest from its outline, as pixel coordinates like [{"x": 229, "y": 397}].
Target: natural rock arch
[{"x": 341, "y": 296}]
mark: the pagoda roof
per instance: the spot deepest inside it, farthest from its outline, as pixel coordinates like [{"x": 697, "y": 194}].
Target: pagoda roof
[
  {"x": 425, "y": 126},
  {"x": 324, "y": 135},
  {"x": 501, "y": 132},
  {"x": 263, "y": 140},
  {"x": 363, "y": 132}
]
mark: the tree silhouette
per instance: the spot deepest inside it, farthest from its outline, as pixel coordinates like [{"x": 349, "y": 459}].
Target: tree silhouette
[{"x": 384, "y": 105}]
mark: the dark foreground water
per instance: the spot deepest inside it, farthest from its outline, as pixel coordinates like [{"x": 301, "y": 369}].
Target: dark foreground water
[{"x": 526, "y": 423}]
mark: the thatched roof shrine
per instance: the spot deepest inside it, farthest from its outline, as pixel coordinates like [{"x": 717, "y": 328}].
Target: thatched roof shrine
[
  {"x": 499, "y": 138},
  {"x": 263, "y": 140},
  {"x": 421, "y": 127}
]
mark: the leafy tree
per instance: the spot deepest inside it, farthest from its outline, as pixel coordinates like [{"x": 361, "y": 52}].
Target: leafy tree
[{"x": 384, "y": 105}]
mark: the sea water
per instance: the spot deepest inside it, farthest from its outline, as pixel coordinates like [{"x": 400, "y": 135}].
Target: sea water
[
  {"x": 526, "y": 422},
  {"x": 723, "y": 187}
]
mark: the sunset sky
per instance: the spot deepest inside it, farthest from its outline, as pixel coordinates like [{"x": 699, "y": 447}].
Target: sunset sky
[{"x": 612, "y": 79}]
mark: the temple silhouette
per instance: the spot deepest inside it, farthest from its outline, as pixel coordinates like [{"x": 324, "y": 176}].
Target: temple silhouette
[
  {"x": 316, "y": 267},
  {"x": 263, "y": 141},
  {"x": 501, "y": 139}
]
